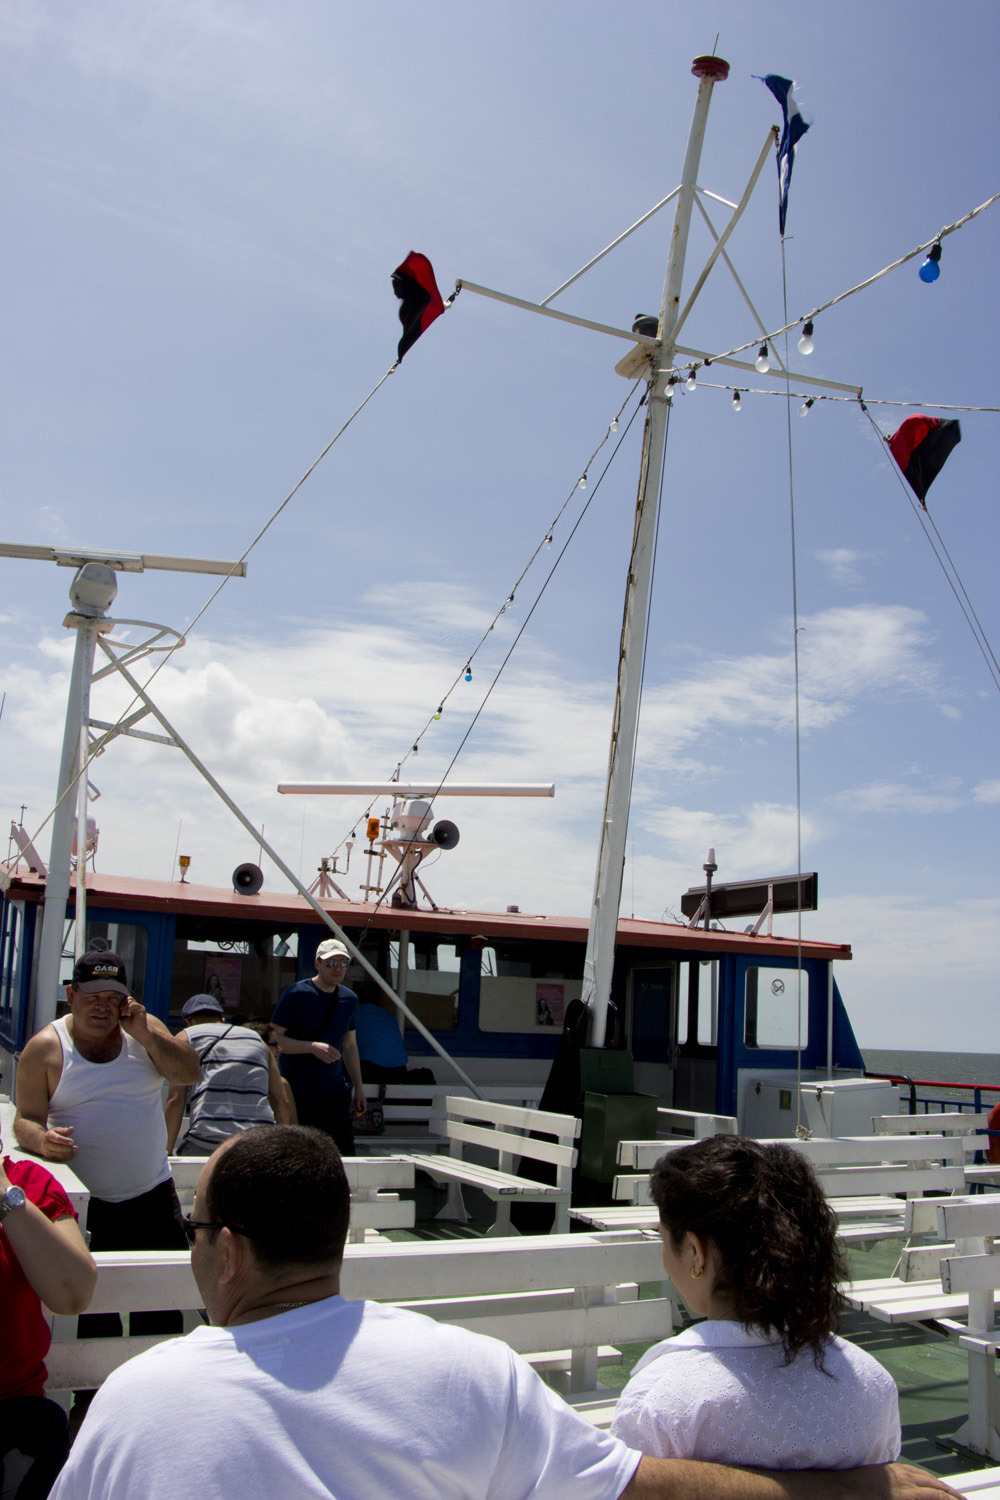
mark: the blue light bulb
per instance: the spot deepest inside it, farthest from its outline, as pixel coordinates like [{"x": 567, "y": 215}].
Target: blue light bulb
[
  {"x": 931, "y": 270},
  {"x": 468, "y": 674}
]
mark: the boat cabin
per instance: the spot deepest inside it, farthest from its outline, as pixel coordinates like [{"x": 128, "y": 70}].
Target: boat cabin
[{"x": 697, "y": 1008}]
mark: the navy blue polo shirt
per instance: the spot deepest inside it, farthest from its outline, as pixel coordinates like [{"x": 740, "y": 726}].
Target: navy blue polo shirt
[{"x": 308, "y": 1014}]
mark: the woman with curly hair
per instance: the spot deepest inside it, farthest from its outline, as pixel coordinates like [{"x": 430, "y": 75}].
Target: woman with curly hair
[{"x": 750, "y": 1243}]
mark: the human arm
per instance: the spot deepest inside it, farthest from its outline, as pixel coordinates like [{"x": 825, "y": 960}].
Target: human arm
[
  {"x": 352, "y": 1062},
  {"x": 173, "y": 1057},
  {"x": 296, "y": 1047},
  {"x": 173, "y": 1113},
  {"x": 276, "y": 1087},
  {"x": 52, "y": 1255},
  {"x": 37, "y": 1075},
  {"x": 687, "y": 1479}
]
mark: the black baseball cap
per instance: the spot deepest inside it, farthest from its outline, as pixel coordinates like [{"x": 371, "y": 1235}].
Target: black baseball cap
[{"x": 97, "y": 971}]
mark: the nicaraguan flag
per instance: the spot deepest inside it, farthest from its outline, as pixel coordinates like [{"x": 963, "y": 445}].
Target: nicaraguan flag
[{"x": 794, "y": 129}]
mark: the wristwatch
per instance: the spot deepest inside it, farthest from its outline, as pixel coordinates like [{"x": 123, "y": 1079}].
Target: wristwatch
[{"x": 11, "y": 1198}]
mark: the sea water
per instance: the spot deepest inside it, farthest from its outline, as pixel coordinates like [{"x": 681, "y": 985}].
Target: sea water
[{"x": 940, "y": 1067}]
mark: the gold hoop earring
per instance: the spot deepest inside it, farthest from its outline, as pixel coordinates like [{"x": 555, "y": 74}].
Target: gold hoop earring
[{"x": 697, "y": 1275}]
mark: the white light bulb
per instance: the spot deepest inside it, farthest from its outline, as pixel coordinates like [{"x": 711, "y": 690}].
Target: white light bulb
[
  {"x": 692, "y": 381},
  {"x": 737, "y": 404},
  {"x": 806, "y": 345},
  {"x": 804, "y": 408},
  {"x": 614, "y": 424},
  {"x": 583, "y": 482},
  {"x": 762, "y": 364}
]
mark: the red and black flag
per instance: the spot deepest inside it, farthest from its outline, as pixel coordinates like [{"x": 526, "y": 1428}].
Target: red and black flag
[
  {"x": 920, "y": 447},
  {"x": 419, "y": 299}
]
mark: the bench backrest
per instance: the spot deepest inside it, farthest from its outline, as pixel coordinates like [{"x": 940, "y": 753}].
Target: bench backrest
[
  {"x": 577, "y": 1291},
  {"x": 847, "y": 1166},
  {"x": 958, "y": 1122},
  {"x": 499, "y": 1127}
]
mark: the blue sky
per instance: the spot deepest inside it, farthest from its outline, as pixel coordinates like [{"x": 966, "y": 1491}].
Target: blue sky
[{"x": 204, "y": 204}]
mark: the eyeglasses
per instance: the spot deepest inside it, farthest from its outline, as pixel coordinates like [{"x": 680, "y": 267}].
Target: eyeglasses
[
  {"x": 334, "y": 963},
  {"x": 191, "y": 1227}
]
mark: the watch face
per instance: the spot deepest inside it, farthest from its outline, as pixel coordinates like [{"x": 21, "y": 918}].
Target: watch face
[{"x": 12, "y": 1198}]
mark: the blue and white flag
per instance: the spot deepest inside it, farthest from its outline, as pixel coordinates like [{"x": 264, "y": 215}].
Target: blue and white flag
[{"x": 794, "y": 129}]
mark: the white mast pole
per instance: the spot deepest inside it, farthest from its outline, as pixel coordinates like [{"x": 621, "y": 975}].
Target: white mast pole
[
  {"x": 57, "y": 882},
  {"x": 600, "y": 956}
]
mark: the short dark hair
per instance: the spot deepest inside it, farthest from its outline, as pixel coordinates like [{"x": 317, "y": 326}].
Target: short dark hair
[
  {"x": 763, "y": 1212},
  {"x": 284, "y": 1187},
  {"x": 262, "y": 1028}
]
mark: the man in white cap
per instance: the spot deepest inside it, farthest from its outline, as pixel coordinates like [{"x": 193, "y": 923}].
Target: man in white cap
[{"x": 315, "y": 1025}]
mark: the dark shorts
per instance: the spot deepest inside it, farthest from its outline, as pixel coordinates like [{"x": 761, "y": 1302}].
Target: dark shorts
[
  {"x": 150, "y": 1222},
  {"x": 34, "y": 1442},
  {"x": 333, "y": 1115}
]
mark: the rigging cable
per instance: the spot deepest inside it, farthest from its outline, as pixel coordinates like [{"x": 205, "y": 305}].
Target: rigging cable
[
  {"x": 545, "y": 541},
  {"x": 217, "y": 591},
  {"x": 862, "y": 285},
  {"x": 524, "y": 626},
  {"x": 799, "y": 1128},
  {"x": 954, "y": 580}
]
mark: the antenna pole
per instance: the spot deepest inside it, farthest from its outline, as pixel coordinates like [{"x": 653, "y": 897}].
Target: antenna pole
[{"x": 599, "y": 960}]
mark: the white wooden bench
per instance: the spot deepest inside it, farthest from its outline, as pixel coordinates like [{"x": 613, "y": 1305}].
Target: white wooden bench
[
  {"x": 971, "y": 1125},
  {"x": 560, "y": 1299},
  {"x": 867, "y": 1179},
  {"x": 415, "y": 1113},
  {"x": 974, "y": 1225},
  {"x": 375, "y": 1182},
  {"x": 507, "y": 1131}
]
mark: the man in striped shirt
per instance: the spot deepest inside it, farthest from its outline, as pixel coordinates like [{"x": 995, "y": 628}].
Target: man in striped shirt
[{"x": 239, "y": 1087}]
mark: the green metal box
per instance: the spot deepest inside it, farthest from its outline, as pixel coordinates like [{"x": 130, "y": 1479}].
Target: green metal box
[{"x": 608, "y": 1119}]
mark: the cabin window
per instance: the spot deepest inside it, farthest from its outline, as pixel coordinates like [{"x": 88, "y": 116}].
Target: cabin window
[
  {"x": 652, "y": 1028},
  {"x": 432, "y": 979},
  {"x": 525, "y": 987},
  {"x": 126, "y": 939},
  {"x": 12, "y": 920},
  {"x": 242, "y": 965},
  {"x": 777, "y": 1008}
]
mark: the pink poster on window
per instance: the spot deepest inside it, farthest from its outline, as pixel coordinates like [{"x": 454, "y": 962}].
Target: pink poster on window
[
  {"x": 222, "y": 978},
  {"x": 550, "y": 1004}
]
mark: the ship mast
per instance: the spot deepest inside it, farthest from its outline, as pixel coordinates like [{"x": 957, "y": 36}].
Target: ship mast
[{"x": 599, "y": 960}]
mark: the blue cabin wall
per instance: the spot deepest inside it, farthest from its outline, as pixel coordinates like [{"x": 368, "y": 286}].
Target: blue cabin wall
[{"x": 733, "y": 1053}]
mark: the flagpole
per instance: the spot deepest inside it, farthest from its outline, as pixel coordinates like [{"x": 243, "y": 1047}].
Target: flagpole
[{"x": 600, "y": 955}]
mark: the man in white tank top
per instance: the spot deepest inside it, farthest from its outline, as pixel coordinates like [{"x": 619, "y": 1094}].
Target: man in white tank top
[{"x": 89, "y": 1090}]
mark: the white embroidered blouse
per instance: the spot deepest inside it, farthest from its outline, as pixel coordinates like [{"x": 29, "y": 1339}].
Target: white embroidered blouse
[{"x": 720, "y": 1392}]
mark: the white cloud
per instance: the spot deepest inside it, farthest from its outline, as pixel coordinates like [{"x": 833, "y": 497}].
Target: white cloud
[
  {"x": 987, "y": 791},
  {"x": 892, "y": 797},
  {"x": 842, "y": 565}
]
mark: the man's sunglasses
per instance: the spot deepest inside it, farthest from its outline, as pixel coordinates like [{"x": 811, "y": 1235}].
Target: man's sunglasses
[{"x": 191, "y": 1227}]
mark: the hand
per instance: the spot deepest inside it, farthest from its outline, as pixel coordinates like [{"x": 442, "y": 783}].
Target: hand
[
  {"x": 58, "y": 1144},
  {"x": 360, "y": 1102},
  {"x": 324, "y": 1052},
  {"x": 133, "y": 1017},
  {"x": 901, "y": 1482}
]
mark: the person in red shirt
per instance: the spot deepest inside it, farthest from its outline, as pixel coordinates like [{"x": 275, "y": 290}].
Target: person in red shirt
[{"x": 43, "y": 1258}]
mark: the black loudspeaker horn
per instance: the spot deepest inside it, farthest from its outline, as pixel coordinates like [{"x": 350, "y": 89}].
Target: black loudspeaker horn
[
  {"x": 247, "y": 880},
  {"x": 445, "y": 834}
]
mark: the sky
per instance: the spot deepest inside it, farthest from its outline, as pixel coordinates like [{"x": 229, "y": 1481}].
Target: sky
[{"x": 204, "y": 203}]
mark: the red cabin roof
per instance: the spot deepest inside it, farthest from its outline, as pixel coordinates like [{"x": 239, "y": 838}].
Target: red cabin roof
[{"x": 120, "y": 892}]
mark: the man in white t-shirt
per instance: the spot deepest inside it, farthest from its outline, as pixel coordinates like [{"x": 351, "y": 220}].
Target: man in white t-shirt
[{"x": 294, "y": 1392}]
